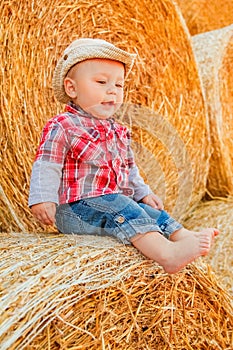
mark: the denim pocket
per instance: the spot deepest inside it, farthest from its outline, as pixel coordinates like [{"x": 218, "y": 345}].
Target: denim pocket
[{"x": 67, "y": 221}]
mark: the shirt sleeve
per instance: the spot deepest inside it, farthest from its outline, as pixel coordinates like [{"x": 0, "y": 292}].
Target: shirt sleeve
[
  {"x": 137, "y": 183},
  {"x": 135, "y": 180},
  {"x": 54, "y": 143},
  {"x": 45, "y": 182},
  {"x": 47, "y": 168}
]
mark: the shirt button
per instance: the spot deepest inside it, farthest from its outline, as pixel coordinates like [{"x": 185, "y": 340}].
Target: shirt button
[{"x": 120, "y": 219}]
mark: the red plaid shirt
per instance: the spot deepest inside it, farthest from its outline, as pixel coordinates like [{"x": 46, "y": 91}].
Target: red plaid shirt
[{"x": 89, "y": 157}]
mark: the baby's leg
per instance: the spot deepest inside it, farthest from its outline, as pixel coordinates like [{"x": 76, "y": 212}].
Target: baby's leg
[{"x": 183, "y": 248}]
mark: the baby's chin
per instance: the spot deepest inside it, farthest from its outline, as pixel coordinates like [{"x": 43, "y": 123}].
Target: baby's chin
[{"x": 104, "y": 112}]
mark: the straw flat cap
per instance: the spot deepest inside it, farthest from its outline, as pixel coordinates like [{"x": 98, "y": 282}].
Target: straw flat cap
[{"x": 84, "y": 49}]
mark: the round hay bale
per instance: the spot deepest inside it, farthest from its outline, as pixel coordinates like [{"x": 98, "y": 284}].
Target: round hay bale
[
  {"x": 217, "y": 213},
  {"x": 214, "y": 54},
  {"x": 6, "y": 212},
  {"x": 164, "y": 80},
  {"x": 203, "y": 15},
  {"x": 74, "y": 292}
]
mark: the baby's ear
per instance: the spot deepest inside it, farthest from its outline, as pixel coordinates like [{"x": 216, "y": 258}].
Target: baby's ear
[{"x": 70, "y": 87}]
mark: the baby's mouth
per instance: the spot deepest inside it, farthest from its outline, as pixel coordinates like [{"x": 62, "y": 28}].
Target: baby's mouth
[{"x": 108, "y": 103}]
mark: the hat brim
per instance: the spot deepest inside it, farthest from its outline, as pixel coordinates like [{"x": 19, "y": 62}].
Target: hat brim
[{"x": 79, "y": 54}]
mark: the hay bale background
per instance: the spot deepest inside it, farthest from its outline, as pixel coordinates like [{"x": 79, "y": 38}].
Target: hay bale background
[
  {"x": 8, "y": 212},
  {"x": 214, "y": 54},
  {"x": 217, "y": 213},
  {"x": 94, "y": 293},
  {"x": 203, "y": 15},
  {"x": 165, "y": 80}
]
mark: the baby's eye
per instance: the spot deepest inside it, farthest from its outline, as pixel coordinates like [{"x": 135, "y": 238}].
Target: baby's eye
[
  {"x": 119, "y": 85},
  {"x": 101, "y": 81}
]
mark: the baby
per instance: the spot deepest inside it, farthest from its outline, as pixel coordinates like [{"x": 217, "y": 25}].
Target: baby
[{"x": 84, "y": 177}]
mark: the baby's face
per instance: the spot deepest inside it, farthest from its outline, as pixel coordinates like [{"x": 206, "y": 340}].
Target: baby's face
[{"x": 97, "y": 86}]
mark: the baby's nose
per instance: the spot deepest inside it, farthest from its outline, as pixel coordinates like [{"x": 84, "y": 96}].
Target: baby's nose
[{"x": 111, "y": 89}]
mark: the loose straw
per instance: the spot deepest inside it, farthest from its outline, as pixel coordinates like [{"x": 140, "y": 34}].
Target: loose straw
[{"x": 9, "y": 206}]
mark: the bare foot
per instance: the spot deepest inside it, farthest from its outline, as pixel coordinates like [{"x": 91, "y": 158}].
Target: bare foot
[
  {"x": 191, "y": 247},
  {"x": 184, "y": 247},
  {"x": 184, "y": 233}
]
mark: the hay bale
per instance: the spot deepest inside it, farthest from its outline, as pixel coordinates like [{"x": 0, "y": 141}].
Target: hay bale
[
  {"x": 203, "y": 15},
  {"x": 214, "y": 54},
  {"x": 165, "y": 80},
  {"x": 217, "y": 213},
  {"x": 6, "y": 212},
  {"x": 63, "y": 292}
]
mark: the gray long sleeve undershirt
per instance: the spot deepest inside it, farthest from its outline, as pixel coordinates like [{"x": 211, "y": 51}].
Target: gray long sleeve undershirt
[{"x": 45, "y": 182}]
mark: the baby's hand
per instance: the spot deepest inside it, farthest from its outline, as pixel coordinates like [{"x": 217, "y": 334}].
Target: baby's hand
[
  {"x": 154, "y": 201},
  {"x": 44, "y": 212}
]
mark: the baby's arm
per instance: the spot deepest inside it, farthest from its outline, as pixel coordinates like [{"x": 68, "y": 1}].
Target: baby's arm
[
  {"x": 44, "y": 212},
  {"x": 47, "y": 171},
  {"x": 142, "y": 191},
  {"x": 43, "y": 196},
  {"x": 137, "y": 183}
]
